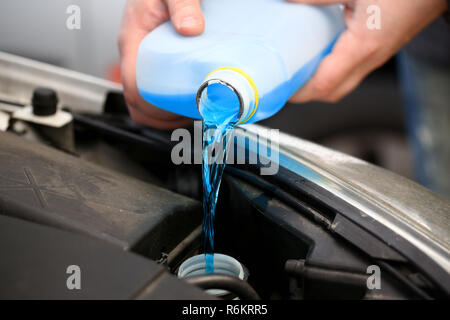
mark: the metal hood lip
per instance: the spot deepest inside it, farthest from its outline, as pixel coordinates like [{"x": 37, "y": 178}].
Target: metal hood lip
[
  {"x": 411, "y": 211},
  {"x": 19, "y": 76}
]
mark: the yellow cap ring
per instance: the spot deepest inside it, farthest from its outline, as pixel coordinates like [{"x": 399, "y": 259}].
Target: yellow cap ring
[{"x": 252, "y": 83}]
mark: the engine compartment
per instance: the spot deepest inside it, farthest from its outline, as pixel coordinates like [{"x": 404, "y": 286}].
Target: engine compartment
[{"x": 113, "y": 180}]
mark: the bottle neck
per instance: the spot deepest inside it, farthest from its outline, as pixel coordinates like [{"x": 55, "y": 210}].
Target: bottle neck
[{"x": 239, "y": 83}]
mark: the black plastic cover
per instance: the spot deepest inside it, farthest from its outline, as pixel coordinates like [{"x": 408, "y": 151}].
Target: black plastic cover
[
  {"x": 35, "y": 261},
  {"x": 46, "y": 186}
]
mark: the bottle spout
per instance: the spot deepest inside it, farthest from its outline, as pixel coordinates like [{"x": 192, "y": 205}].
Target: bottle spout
[
  {"x": 202, "y": 95},
  {"x": 228, "y": 90}
]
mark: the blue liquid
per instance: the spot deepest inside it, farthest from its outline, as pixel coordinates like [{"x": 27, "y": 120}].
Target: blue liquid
[
  {"x": 219, "y": 107},
  {"x": 269, "y": 103},
  {"x": 219, "y": 111}
]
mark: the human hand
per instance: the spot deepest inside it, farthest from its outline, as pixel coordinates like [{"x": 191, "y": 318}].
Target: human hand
[
  {"x": 140, "y": 18},
  {"x": 360, "y": 50}
]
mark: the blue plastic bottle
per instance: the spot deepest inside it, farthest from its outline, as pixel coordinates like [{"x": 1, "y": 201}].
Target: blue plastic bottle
[{"x": 260, "y": 50}]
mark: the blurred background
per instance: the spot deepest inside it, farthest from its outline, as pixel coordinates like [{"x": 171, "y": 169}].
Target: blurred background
[
  {"x": 37, "y": 30},
  {"x": 368, "y": 124}
]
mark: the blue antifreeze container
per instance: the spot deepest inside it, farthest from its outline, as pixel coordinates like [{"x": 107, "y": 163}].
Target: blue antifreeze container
[{"x": 263, "y": 50}]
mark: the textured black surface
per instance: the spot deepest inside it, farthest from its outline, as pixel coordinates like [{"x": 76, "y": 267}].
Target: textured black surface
[
  {"x": 35, "y": 260},
  {"x": 49, "y": 187}
]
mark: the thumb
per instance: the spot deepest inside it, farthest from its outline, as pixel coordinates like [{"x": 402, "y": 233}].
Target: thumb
[{"x": 186, "y": 16}]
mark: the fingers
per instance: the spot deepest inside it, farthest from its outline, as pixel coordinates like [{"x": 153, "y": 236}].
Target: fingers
[
  {"x": 186, "y": 16},
  {"x": 336, "y": 75},
  {"x": 140, "y": 18},
  {"x": 333, "y": 71}
]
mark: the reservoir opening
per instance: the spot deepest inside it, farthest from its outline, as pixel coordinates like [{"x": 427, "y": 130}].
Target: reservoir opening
[{"x": 223, "y": 264}]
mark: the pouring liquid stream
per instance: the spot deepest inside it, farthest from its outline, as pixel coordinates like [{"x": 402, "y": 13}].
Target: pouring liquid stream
[{"x": 219, "y": 107}]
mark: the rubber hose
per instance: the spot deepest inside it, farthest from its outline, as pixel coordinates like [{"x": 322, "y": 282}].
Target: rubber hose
[{"x": 225, "y": 282}]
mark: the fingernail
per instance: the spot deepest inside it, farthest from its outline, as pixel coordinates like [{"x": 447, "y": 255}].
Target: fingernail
[{"x": 189, "y": 22}]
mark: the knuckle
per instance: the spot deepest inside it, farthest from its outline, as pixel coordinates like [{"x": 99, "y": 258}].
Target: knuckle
[
  {"x": 129, "y": 98},
  {"x": 294, "y": 99},
  {"x": 154, "y": 12},
  {"x": 334, "y": 98},
  {"x": 133, "y": 115},
  {"x": 372, "y": 47},
  {"x": 323, "y": 86},
  {"x": 182, "y": 5}
]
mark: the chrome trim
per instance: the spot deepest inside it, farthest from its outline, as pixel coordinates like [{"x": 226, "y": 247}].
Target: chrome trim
[
  {"x": 20, "y": 76},
  {"x": 415, "y": 213}
]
